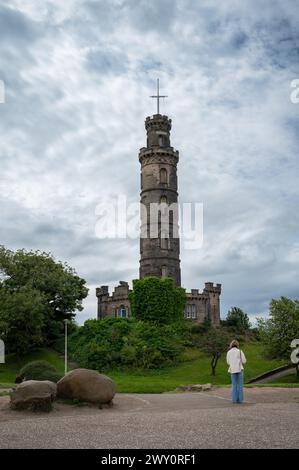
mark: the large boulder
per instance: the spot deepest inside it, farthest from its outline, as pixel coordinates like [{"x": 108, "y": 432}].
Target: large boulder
[
  {"x": 34, "y": 395},
  {"x": 86, "y": 385}
]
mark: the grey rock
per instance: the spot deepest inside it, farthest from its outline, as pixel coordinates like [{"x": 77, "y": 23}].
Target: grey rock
[
  {"x": 36, "y": 395},
  {"x": 86, "y": 385}
]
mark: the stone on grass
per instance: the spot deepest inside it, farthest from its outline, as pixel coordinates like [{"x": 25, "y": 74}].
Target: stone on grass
[
  {"x": 34, "y": 395},
  {"x": 194, "y": 388},
  {"x": 206, "y": 387},
  {"x": 86, "y": 385}
]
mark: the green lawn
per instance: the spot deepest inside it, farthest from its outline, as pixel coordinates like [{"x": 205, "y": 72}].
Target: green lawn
[
  {"x": 194, "y": 369},
  {"x": 10, "y": 369}
]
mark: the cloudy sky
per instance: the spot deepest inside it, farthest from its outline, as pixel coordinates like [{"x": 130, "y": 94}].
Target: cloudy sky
[{"x": 78, "y": 75}]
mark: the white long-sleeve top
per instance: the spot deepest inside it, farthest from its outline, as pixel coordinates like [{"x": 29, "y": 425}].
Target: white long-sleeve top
[{"x": 235, "y": 358}]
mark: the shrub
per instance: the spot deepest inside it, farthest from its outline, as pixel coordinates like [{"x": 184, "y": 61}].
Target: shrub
[
  {"x": 40, "y": 370},
  {"x": 121, "y": 343}
]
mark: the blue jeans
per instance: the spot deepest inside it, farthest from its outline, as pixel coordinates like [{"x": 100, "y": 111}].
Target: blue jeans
[{"x": 237, "y": 387}]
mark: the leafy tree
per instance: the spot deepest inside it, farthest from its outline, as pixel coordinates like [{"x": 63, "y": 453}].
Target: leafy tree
[
  {"x": 214, "y": 343},
  {"x": 21, "y": 318},
  {"x": 238, "y": 320},
  {"x": 158, "y": 300},
  {"x": 57, "y": 285},
  {"x": 280, "y": 328}
]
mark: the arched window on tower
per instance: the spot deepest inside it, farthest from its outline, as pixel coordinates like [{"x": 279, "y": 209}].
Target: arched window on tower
[
  {"x": 164, "y": 243},
  {"x": 161, "y": 141},
  {"x": 163, "y": 176},
  {"x": 163, "y": 200}
]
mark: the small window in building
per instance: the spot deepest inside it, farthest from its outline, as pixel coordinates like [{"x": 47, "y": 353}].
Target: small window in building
[
  {"x": 122, "y": 312},
  {"x": 163, "y": 200},
  {"x": 163, "y": 176},
  {"x": 161, "y": 140},
  {"x": 193, "y": 311},
  {"x": 190, "y": 311},
  {"x": 164, "y": 271}
]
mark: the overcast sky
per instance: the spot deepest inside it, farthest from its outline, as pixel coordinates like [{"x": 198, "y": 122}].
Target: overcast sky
[{"x": 78, "y": 75}]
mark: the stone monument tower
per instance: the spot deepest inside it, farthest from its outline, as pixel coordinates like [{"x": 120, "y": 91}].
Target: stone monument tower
[
  {"x": 159, "y": 240},
  {"x": 159, "y": 237}
]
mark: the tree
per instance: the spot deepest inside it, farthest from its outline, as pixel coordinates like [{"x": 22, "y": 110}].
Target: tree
[
  {"x": 214, "y": 343},
  {"x": 60, "y": 289},
  {"x": 280, "y": 328},
  {"x": 238, "y": 320},
  {"x": 21, "y": 319},
  {"x": 158, "y": 300}
]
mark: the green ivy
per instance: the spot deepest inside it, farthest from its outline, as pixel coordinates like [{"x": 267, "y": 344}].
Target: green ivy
[{"x": 157, "y": 300}]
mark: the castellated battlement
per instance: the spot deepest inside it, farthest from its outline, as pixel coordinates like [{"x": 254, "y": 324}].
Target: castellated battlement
[
  {"x": 158, "y": 122},
  {"x": 210, "y": 287},
  {"x": 115, "y": 305},
  {"x": 205, "y": 305},
  {"x": 158, "y": 155},
  {"x": 103, "y": 290}
]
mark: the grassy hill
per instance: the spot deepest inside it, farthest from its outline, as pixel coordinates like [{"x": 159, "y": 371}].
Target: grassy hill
[
  {"x": 194, "y": 369},
  {"x": 10, "y": 369}
]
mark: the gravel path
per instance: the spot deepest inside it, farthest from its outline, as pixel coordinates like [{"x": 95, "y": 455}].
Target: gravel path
[{"x": 268, "y": 419}]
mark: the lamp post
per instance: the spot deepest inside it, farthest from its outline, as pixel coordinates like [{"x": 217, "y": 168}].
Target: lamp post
[{"x": 65, "y": 346}]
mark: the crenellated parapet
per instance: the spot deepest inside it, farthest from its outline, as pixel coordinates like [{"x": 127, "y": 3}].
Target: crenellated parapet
[
  {"x": 210, "y": 287},
  {"x": 167, "y": 155},
  {"x": 158, "y": 122}
]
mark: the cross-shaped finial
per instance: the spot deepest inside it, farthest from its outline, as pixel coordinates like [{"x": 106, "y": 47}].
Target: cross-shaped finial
[{"x": 158, "y": 96}]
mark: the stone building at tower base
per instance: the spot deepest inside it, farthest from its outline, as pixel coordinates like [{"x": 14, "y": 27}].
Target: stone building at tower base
[{"x": 200, "y": 306}]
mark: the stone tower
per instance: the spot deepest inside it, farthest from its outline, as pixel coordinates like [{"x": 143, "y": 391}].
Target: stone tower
[
  {"x": 159, "y": 240},
  {"x": 159, "y": 237}
]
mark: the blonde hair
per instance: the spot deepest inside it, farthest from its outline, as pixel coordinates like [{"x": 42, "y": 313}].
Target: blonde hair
[{"x": 234, "y": 344}]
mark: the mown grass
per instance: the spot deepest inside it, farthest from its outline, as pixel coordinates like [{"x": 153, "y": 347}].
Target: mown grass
[
  {"x": 195, "y": 368},
  {"x": 12, "y": 366}
]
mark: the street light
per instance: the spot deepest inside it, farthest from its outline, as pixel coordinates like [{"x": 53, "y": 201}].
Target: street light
[{"x": 65, "y": 346}]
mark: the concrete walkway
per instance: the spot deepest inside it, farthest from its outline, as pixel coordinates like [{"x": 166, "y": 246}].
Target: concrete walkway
[
  {"x": 268, "y": 419},
  {"x": 276, "y": 375}
]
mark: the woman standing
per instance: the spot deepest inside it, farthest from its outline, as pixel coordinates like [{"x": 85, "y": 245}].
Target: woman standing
[{"x": 235, "y": 358}]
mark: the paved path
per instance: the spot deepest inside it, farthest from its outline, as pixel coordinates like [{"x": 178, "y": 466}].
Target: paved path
[
  {"x": 276, "y": 375},
  {"x": 269, "y": 419}
]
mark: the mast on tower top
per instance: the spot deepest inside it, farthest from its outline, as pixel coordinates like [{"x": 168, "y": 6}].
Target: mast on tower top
[{"x": 158, "y": 96}]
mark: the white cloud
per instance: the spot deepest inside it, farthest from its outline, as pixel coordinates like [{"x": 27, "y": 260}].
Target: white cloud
[{"x": 78, "y": 77}]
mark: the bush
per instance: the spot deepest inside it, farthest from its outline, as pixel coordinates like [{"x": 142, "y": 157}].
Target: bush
[
  {"x": 121, "y": 343},
  {"x": 40, "y": 370}
]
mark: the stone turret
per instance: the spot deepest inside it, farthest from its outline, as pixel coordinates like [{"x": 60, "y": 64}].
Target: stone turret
[{"x": 214, "y": 292}]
